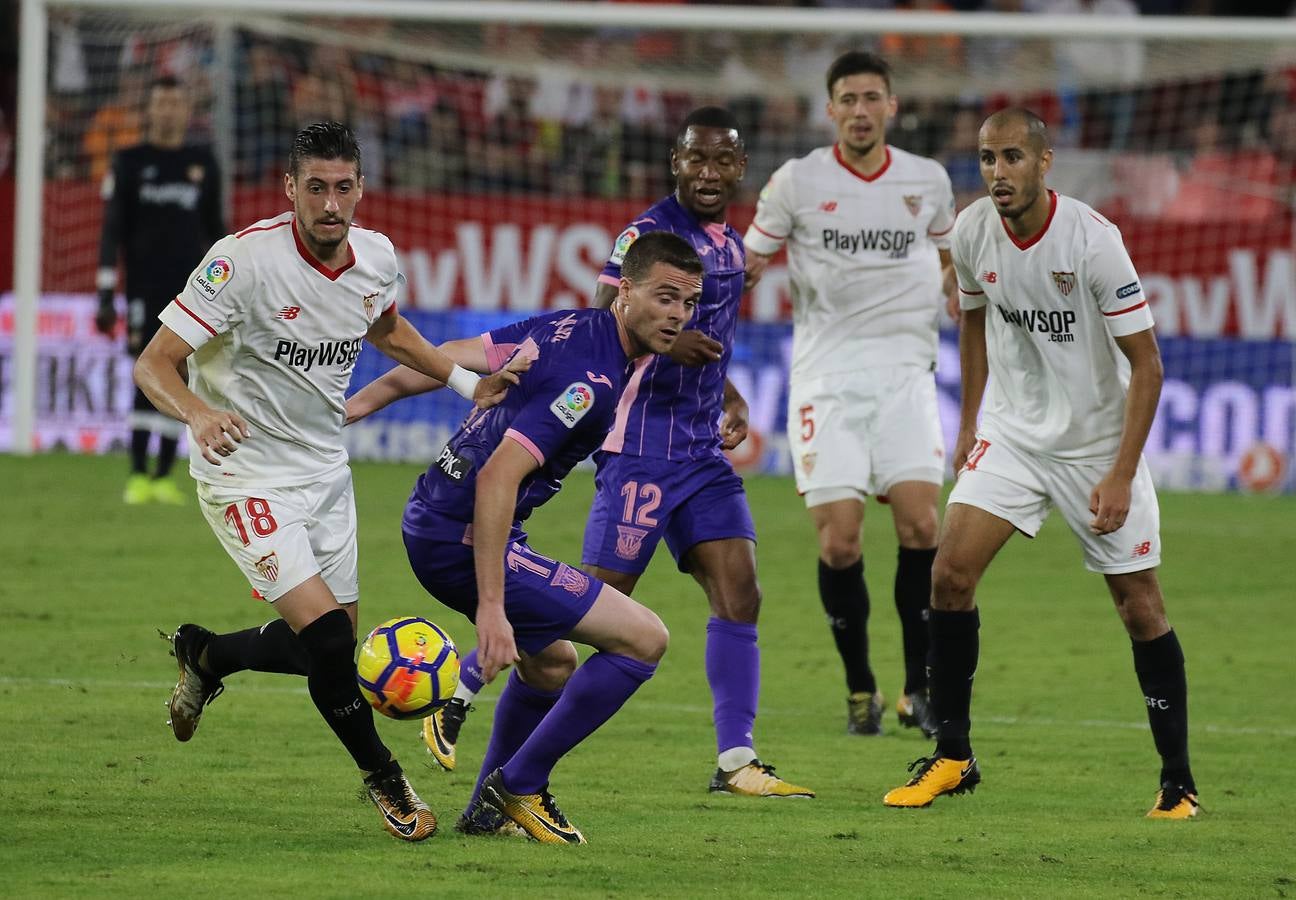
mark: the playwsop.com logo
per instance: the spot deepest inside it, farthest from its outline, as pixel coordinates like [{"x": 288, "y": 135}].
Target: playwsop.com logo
[
  {"x": 214, "y": 276},
  {"x": 572, "y": 404}
]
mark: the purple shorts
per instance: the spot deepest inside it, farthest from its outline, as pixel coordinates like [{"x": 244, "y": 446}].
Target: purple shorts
[
  {"x": 638, "y": 500},
  {"x": 543, "y": 599}
]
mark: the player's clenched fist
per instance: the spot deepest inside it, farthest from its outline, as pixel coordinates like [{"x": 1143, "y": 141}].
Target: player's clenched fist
[{"x": 218, "y": 432}]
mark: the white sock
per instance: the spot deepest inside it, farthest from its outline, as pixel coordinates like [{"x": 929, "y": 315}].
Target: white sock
[
  {"x": 465, "y": 693},
  {"x": 735, "y": 758}
]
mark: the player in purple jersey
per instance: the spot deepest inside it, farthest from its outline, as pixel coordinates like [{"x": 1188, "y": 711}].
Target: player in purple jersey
[
  {"x": 662, "y": 472},
  {"x": 463, "y": 530}
]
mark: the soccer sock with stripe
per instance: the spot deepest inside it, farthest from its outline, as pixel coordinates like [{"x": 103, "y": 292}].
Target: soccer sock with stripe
[
  {"x": 912, "y": 600},
  {"x": 470, "y": 682},
  {"x": 955, "y": 646},
  {"x": 520, "y": 709},
  {"x": 845, "y": 599},
  {"x": 733, "y": 671},
  {"x": 271, "y": 648},
  {"x": 599, "y": 688},
  {"x": 330, "y": 648},
  {"x": 1159, "y": 664}
]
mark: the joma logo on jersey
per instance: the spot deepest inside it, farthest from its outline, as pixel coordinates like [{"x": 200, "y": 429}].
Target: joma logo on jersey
[
  {"x": 1055, "y": 323},
  {"x": 326, "y": 353},
  {"x": 894, "y": 243}
]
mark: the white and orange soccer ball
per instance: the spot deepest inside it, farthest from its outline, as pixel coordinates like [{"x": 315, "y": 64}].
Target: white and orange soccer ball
[{"x": 407, "y": 668}]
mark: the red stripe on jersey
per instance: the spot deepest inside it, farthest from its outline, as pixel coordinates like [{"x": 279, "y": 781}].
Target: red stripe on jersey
[
  {"x": 939, "y": 233},
  {"x": 772, "y": 237},
  {"x": 261, "y": 228},
  {"x": 1099, "y": 218},
  {"x": 969, "y": 293},
  {"x": 389, "y": 311},
  {"x": 330, "y": 274},
  {"x": 1035, "y": 238},
  {"x": 1128, "y": 309},
  {"x": 194, "y": 316},
  {"x": 856, "y": 172}
]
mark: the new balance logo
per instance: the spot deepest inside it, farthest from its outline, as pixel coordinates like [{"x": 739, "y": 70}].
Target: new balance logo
[
  {"x": 288, "y": 312},
  {"x": 1142, "y": 549},
  {"x": 989, "y": 277},
  {"x": 828, "y": 206}
]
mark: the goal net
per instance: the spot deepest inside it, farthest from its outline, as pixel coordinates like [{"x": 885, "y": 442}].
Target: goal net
[{"x": 504, "y": 153}]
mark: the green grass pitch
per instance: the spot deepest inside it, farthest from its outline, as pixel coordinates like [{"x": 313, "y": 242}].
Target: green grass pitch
[{"x": 98, "y": 800}]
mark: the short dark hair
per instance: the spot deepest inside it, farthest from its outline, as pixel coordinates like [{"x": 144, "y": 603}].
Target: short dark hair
[
  {"x": 858, "y": 62},
  {"x": 659, "y": 246},
  {"x": 709, "y": 117},
  {"x": 323, "y": 140},
  {"x": 1037, "y": 133},
  {"x": 166, "y": 82}
]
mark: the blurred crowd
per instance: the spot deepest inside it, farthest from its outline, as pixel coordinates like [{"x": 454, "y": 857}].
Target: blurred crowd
[{"x": 1183, "y": 148}]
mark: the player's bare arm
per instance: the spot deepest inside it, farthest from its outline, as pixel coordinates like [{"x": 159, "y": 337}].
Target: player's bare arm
[
  {"x": 399, "y": 340},
  {"x": 158, "y": 373},
  {"x": 949, "y": 285},
  {"x": 733, "y": 423},
  {"x": 1110, "y": 499},
  {"x": 975, "y": 369},
  {"x": 754, "y": 269},
  {"x": 496, "y": 498}
]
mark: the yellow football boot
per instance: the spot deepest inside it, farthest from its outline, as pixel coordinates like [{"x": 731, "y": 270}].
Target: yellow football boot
[
  {"x": 936, "y": 776},
  {"x": 139, "y": 490},
  {"x": 756, "y": 780},
  {"x": 164, "y": 490},
  {"x": 864, "y": 713},
  {"x": 441, "y": 731},
  {"x": 536, "y": 814},
  {"x": 404, "y": 814},
  {"x": 1174, "y": 801}
]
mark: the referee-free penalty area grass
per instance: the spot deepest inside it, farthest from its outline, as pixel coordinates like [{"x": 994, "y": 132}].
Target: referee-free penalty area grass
[{"x": 98, "y": 800}]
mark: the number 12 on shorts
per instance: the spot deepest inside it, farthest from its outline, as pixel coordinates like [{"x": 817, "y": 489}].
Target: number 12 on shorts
[{"x": 258, "y": 515}]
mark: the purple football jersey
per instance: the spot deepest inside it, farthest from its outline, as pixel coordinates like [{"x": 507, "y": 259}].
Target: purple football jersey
[
  {"x": 671, "y": 411},
  {"x": 560, "y": 412}
]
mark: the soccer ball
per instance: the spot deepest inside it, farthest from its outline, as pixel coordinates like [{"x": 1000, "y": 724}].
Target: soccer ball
[{"x": 407, "y": 668}]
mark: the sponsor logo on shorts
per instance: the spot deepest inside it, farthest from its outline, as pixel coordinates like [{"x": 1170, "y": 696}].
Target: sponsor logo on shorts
[
  {"x": 214, "y": 276},
  {"x": 1065, "y": 281},
  {"x": 1141, "y": 549},
  {"x": 451, "y": 465},
  {"x": 808, "y": 462},
  {"x": 572, "y": 404},
  {"x": 573, "y": 581},
  {"x": 623, "y": 242},
  {"x": 268, "y": 566},
  {"x": 1128, "y": 290},
  {"x": 629, "y": 541}
]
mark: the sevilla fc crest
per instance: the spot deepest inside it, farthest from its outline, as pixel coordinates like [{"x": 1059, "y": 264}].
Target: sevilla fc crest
[
  {"x": 629, "y": 541},
  {"x": 914, "y": 203},
  {"x": 808, "y": 462},
  {"x": 1066, "y": 282},
  {"x": 268, "y": 566},
  {"x": 368, "y": 301}
]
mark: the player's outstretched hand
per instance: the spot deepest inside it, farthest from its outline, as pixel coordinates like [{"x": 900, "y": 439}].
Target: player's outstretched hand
[
  {"x": 1109, "y": 501},
  {"x": 693, "y": 348},
  {"x": 733, "y": 423},
  {"x": 495, "y": 647},
  {"x": 218, "y": 432},
  {"x": 755, "y": 268},
  {"x": 106, "y": 316},
  {"x": 492, "y": 389}
]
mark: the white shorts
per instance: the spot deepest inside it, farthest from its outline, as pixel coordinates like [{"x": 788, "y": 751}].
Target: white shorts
[
  {"x": 1021, "y": 487},
  {"x": 859, "y": 433},
  {"x": 281, "y": 537}
]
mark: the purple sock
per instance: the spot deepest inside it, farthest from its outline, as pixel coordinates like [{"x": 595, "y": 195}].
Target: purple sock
[
  {"x": 592, "y": 696},
  {"x": 733, "y": 671},
  {"x": 517, "y": 713},
  {"x": 470, "y": 672}
]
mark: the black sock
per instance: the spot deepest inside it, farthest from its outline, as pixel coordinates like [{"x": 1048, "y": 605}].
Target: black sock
[
  {"x": 271, "y": 648},
  {"x": 139, "y": 444},
  {"x": 330, "y": 647},
  {"x": 1159, "y": 664},
  {"x": 166, "y": 456},
  {"x": 955, "y": 646},
  {"x": 846, "y": 601},
  {"x": 912, "y": 600}
]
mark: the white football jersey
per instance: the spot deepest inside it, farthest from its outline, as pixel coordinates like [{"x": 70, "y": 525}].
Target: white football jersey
[
  {"x": 862, "y": 257},
  {"x": 1056, "y": 302},
  {"x": 275, "y": 336}
]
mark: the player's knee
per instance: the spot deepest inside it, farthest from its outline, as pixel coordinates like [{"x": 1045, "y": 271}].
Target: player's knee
[
  {"x": 650, "y": 639},
  {"x": 839, "y": 548},
  {"x": 953, "y": 584},
  {"x": 550, "y": 670},
  {"x": 737, "y": 599},
  {"x": 1139, "y": 605},
  {"x": 919, "y": 532}
]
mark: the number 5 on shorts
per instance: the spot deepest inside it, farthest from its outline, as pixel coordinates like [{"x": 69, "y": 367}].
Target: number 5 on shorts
[{"x": 258, "y": 514}]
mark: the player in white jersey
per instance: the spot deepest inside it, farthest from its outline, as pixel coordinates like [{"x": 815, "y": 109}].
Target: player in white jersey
[
  {"x": 867, "y": 230},
  {"x": 268, "y": 329},
  {"x": 1054, "y": 312}
]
